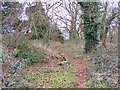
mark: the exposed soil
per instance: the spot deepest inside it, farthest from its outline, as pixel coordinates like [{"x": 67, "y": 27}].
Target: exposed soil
[
  {"x": 80, "y": 68},
  {"x": 81, "y": 72}
]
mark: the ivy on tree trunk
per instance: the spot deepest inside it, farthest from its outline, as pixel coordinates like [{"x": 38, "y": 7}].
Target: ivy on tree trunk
[{"x": 90, "y": 18}]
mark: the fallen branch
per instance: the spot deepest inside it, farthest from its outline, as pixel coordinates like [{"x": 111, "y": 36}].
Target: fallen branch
[{"x": 64, "y": 58}]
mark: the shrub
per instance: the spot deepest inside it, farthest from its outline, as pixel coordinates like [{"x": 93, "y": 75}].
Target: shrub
[
  {"x": 101, "y": 84},
  {"x": 20, "y": 46},
  {"x": 29, "y": 53},
  {"x": 103, "y": 71}
]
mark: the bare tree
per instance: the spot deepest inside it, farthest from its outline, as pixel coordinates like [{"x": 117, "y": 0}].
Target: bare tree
[
  {"x": 107, "y": 18},
  {"x": 69, "y": 19}
]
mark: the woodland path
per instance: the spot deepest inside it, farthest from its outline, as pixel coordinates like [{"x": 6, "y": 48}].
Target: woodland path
[{"x": 80, "y": 68}]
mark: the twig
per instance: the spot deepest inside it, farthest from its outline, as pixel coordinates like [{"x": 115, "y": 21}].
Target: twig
[{"x": 64, "y": 58}]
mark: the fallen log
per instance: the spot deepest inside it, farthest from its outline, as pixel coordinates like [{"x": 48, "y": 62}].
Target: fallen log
[{"x": 64, "y": 60}]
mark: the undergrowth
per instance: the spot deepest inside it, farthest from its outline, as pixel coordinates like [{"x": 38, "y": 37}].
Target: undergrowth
[
  {"x": 53, "y": 80},
  {"x": 101, "y": 84},
  {"x": 20, "y": 47},
  {"x": 103, "y": 72},
  {"x": 28, "y": 52}
]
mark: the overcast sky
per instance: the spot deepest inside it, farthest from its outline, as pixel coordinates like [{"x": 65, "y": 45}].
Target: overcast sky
[{"x": 57, "y": 0}]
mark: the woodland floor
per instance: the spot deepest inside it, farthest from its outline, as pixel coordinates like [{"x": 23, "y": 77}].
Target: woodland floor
[
  {"x": 64, "y": 66},
  {"x": 54, "y": 64}
]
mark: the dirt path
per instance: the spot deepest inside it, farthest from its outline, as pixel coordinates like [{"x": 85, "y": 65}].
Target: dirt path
[
  {"x": 80, "y": 68},
  {"x": 81, "y": 72}
]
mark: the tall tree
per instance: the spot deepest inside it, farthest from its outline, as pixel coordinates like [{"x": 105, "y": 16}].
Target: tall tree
[
  {"x": 56, "y": 34},
  {"x": 70, "y": 23},
  {"x": 90, "y": 18},
  {"x": 38, "y": 20},
  {"x": 106, "y": 21},
  {"x": 11, "y": 12}
]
